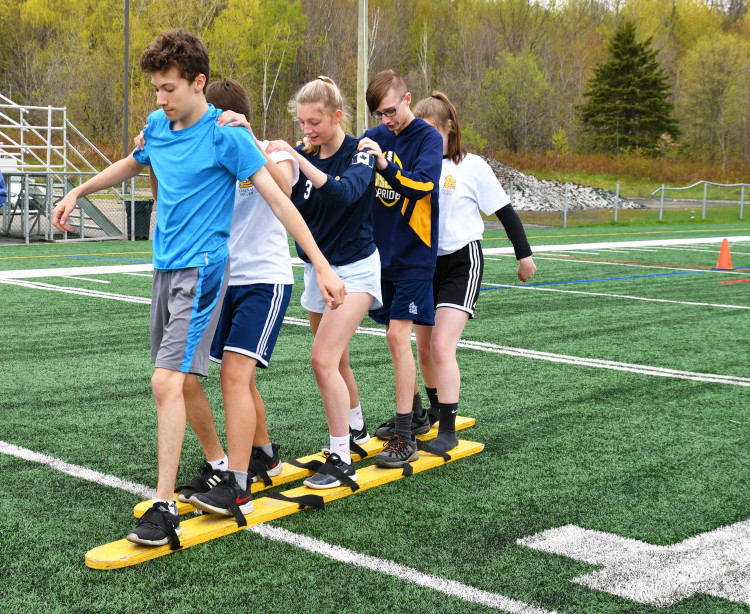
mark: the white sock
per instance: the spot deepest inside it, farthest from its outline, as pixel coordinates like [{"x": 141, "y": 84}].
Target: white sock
[
  {"x": 171, "y": 504},
  {"x": 356, "y": 420},
  {"x": 220, "y": 464},
  {"x": 340, "y": 446}
]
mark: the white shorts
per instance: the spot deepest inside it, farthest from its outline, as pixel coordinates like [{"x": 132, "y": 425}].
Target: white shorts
[{"x": 360, "y": 276}]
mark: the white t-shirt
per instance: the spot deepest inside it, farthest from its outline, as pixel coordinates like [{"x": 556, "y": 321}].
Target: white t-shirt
[
  {"x": 465, "y": 189},
  {"x": 258, "y": 243}
]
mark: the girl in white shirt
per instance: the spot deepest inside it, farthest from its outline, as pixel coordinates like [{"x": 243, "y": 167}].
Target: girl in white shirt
[{"x": 467, "y": 186}]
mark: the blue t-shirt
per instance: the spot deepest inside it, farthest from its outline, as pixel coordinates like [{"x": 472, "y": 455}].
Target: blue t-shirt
[
  {"x": 197, "y": 168},
  {"x": 339, "y": 213}
]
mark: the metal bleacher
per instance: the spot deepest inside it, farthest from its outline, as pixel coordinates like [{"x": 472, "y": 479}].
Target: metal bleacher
[{"x": 42, "y": 157}]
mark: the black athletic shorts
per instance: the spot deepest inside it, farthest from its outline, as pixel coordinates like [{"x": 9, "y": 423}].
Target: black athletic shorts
[{"x": 458, "y": 277}]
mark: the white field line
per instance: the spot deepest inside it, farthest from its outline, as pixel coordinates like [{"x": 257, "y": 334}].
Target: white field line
[
  {"x": 625, "y": 264},
  {"x": 494, "y": 251},
  {"x": 140, "y": 274},
  {"x": 577, "y": 253},
  {"x": 572, "y": 360},
  {"x": 630, "y": 264},
  {"x": 78, "y": 270},
  {"x": 38, "y": 285},
  {"x": 77, "y": 471},
  {"x": 391, "y": 568},
  {"x": 92, "y": 279},
  {"x": 634, "y": 298},
  {"x": 384, "y": 566}
]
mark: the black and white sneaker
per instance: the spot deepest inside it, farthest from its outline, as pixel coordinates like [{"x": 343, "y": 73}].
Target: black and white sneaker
[
  {"x": 157, "y": 527},
  {"x": 333, "y": 473},
  {"x": 261, "y": 463},
  {"x": 420, "y": 424},
  {"x": 358, "y": 436},
  {"x": 226, "y": 498},
  {"x": 203, "y": 482}
]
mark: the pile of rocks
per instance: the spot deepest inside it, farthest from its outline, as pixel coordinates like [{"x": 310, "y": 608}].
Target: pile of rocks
[{"x": 532, "y": 194}]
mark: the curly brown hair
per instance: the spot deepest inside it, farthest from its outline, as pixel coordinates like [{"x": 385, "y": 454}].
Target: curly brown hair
[{"x": 178, "y": 48}]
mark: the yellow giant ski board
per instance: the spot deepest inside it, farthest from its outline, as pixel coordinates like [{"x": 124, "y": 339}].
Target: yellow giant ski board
[
  {"x": 290, "y": 473},
  {"x": 199, "y": 529}
]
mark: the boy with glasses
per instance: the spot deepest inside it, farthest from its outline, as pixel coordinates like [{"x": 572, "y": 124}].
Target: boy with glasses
[{"x": 409, "y": 159}]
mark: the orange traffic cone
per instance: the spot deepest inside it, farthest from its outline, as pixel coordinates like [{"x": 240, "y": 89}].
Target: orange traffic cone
[{"x": 725, "y": 259}]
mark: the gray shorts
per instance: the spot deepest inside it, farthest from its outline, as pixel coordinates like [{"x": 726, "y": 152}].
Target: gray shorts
[{"x": 185, "y": 309}]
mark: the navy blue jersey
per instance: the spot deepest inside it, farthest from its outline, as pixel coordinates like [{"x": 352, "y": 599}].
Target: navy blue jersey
[
  {"x": 406, "y": 204},
  {"x": 339, "y": 213}
]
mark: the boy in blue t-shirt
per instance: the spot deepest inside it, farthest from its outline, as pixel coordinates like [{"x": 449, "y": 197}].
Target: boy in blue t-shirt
[{"x": 197, "y": 164}]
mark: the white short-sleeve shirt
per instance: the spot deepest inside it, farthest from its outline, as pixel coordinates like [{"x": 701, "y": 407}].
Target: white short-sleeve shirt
[
  {"x": 466, "y": 189},
  {"x": 258, "y": 243}
]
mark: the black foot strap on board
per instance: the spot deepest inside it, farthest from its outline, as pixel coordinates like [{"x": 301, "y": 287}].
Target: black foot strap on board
[
  {"x": 259, "y": 469},
  {"x": 157, "y": 518},
  {"x": 227, "y": 497},
  {"x": 314, "y": 501},
  {"x": 328, "y": 468},
  {"x": 426, "y": 447}
]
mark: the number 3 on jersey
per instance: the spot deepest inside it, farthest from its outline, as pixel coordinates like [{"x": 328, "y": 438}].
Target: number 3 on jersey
[{"x": 308, "y": 188}]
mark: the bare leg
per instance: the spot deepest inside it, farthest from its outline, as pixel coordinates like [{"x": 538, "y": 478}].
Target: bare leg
[
  {"x": 449, "y": 325},
  {"x": 398, "y": 336},
  {"x": 344, "y": 367},
  {"x": 237, "y": 375},
  {"x": 332, "y": 334},
  {"x": 167, "y": 387},
  {"x": 261, "y": 430},
  {"x": 201, "y": 419}
]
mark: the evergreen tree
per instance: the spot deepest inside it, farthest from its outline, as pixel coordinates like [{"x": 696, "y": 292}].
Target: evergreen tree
[{"x": 627, "y": 106}]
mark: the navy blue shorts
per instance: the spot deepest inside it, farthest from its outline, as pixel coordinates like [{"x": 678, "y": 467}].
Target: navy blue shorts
[
  {"x": 250, "y": 322},
  {"x": 409, "y": 299}
]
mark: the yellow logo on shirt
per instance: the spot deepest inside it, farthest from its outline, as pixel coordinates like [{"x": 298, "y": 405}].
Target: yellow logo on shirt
[
  {"x": 385, "y": 193},
  {"x": 247, "y": 183},
  {"x": 450, "y": 183}
]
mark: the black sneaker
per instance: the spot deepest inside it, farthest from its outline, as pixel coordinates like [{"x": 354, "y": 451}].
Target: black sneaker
[
  {"x": 261, "y": 463},
  {"x": 358, "y": 436},
  {"x": 226, "y": 498},
  {"x": 397, "y": 451},
  {"x": 326, "y": 476},
  {"x": 157, "y": 527},
  {"x": 420, "y": 424},
  {"x": 203, "y": 482}
]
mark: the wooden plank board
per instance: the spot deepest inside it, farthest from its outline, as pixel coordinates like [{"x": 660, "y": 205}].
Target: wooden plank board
[
  {"x": 206, "y": 527},
  {"x": 290, "y": 473}
]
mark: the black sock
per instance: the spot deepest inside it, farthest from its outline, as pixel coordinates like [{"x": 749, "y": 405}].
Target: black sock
[
  {"x": 416, "y": 405},
  {"x": 432, "y": 395},
  {"x": 403, "y": 424},
  {"x": 446, "y": 439},
  {"x": 448, "y": 413}
]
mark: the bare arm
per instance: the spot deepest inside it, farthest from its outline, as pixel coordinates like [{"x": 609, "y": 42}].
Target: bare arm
[
  {"x": 331, "y": 286},
  {"x": 280, "y": 171},
  {"x": 120, "y": 171}
]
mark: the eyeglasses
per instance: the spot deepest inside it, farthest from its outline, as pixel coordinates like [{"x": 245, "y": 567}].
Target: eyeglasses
[{"x": 388, "y": 112}]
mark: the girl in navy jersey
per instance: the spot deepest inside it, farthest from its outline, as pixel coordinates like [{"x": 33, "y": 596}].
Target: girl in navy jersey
[
  {"x": 467, "y": 186},
  {"x": 334, "y": 195}
]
